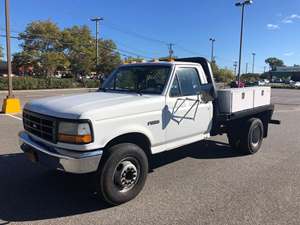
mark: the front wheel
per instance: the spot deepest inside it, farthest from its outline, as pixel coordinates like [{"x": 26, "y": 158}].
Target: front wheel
[{"x": 122, "y": 173}]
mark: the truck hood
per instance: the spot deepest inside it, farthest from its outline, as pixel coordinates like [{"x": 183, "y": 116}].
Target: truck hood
[{"x": 95, "y": 105}]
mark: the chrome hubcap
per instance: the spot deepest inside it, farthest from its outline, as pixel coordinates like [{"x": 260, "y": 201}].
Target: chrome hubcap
[{"x": 126, "y": 175}]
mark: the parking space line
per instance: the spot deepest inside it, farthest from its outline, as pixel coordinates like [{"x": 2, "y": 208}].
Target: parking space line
[{"x": 15, "y": 117}]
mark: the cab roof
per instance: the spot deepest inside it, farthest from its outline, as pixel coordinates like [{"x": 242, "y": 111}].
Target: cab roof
[{"x": 165, "y": 63}]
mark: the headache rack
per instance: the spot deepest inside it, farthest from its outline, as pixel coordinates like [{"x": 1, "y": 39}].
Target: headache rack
[{"x": 40, "y": 125}]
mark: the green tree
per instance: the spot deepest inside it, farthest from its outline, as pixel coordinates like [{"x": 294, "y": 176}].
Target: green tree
[
  {"x": 48, "y": 49},
  {"x": 214, "y": 67},
  {"x": 79, "y": 48},
  {"x": 42, "y": 48},
  {"x": 24, "y": 58},
  {"x": 109, "y": 57},
  {"x": 41, "y": 36},
  {"x": 252, "y": 77},
  {"x": 221, "y": 75},
  {"x": 131, "y": 59},
  {"x": 224, "y": 75},
  {"x": 1, "y": 53},
  {"x": 53, "y": 61},
  {"x": 274, "y": 62}
]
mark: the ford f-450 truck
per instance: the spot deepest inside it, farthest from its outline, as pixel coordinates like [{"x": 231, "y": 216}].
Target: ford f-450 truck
[{"x": 141, "y": 109}]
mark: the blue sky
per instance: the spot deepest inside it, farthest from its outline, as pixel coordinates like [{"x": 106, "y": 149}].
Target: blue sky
[{"x": 272, "y": 27}]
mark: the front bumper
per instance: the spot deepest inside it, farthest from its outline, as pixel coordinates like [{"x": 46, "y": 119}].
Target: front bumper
[{"x": 58, "y": 158}]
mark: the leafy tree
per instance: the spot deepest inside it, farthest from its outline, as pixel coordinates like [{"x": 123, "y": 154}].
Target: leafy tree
[
  {"x": 1, "y": 53},
  {"x": 252, "y": 77},
  {"x": 24, "y": 58},
  {"x": 224, "y": 75},
  {"x": 78, "y": 45},
  {"x": 109, "y": 57},
  {"x": 274, "y": 62},
  {"x": 48, "y": 49},
  {"x": 53, "y": 61},
  {"x": 214, "y": 67},
  {"x": 221, "y": 75},
  {"x": 41, "y": 36},
  {"x": 131, "y": 59},
  {"x": 42, "y": 48}
]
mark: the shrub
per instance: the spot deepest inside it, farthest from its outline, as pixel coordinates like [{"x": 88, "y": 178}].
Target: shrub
[{"x": 30, "y": 83}]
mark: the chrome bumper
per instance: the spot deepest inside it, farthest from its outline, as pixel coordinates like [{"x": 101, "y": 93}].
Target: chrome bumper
[{"x": 60, "y": 159}]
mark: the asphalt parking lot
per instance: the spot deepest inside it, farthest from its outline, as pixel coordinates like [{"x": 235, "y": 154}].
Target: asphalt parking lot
[{"x": 203, "y": 183}]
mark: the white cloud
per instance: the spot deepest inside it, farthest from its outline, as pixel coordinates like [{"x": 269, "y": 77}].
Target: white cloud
[
  {"x": 287, "y": 20},
  {"x": 295, "y": 16},
  {"x": 272, "y": 26},
  {"x": 291, "y": 18},
  {"x": 289, "y": 54}
]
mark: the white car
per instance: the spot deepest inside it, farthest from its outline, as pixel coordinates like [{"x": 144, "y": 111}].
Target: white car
[
  {"x": 296, "y": 84},
  {"x": 142, "y": 109},
  {"x": 261, "y": 83}
]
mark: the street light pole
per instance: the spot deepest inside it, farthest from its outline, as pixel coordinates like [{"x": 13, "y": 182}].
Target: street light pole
[
  {"x": 8, "y": 51},
  {"x": 246, "y": 68},
  {"x": 253, "y": 62},
  {"x": 235, "y": 65},
  {"x": 212, "y": 49},
  {"x": 241, "y": 4},
  {"x": 97, "y": 21}
]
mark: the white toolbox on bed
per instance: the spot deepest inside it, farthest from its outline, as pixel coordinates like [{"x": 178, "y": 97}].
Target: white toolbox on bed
[
  {"x": 262, "y": 96},
  {"x": 238, "y": 99}
]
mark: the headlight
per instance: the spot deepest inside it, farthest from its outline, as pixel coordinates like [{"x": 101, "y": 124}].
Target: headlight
[{"x": 75, "y": 133}]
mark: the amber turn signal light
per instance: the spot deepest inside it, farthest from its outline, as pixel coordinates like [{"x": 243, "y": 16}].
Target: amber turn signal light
[{"x": 75, "y": 139}]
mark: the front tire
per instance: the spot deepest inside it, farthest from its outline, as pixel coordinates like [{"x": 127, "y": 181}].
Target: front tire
[{"x": 122, "y": 173}]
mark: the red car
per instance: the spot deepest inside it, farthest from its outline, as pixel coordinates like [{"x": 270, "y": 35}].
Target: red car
[{"x": 236, "y": 84}]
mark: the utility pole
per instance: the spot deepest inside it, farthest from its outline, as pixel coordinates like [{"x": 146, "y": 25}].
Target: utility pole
[
  {"x": 8, "y": 51},
  {"x": 10, "y": 104},
  {"x": 97, "y": 21},
  {"x": 253, "y": 62},
  {"x": 235, "y": 66},
  {"x": 241, "y": 4},
  {"x": 212, "y": 49},
  {"x": 264, "y": 69},
  {"x": 246, "y": 68},
  {"x": 171, "y": 51}
]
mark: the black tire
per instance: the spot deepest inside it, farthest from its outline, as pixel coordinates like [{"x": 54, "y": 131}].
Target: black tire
[
  {"x": 252, "y": 136},
  {"x": 120, "y": 159}
]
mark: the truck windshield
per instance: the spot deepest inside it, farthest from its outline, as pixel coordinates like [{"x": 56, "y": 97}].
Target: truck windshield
[{"x": 140, "y": 79}]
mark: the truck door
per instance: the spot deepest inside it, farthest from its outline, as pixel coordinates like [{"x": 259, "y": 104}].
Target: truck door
[{"x": 187, "y": 115}]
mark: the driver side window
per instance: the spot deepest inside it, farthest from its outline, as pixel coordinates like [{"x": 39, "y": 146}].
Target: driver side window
[{"x": 186, "y": 83}]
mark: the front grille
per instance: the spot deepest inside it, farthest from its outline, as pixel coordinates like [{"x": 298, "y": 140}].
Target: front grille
[{"x": 40, "y": 125}]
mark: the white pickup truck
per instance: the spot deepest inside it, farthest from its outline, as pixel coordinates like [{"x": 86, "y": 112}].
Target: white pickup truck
[{"x": 140, "y": 110}]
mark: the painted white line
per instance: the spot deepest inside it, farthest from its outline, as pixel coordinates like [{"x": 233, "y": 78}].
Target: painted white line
[{"x": 15, "y": 117}]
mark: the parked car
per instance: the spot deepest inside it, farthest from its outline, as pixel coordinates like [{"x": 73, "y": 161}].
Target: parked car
[
  {"x": 296, "y": 84},
  {"x": 261, "y": 83},
  {"x": 236, "y": 84},
  {"x": 278, "y": 80}
]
